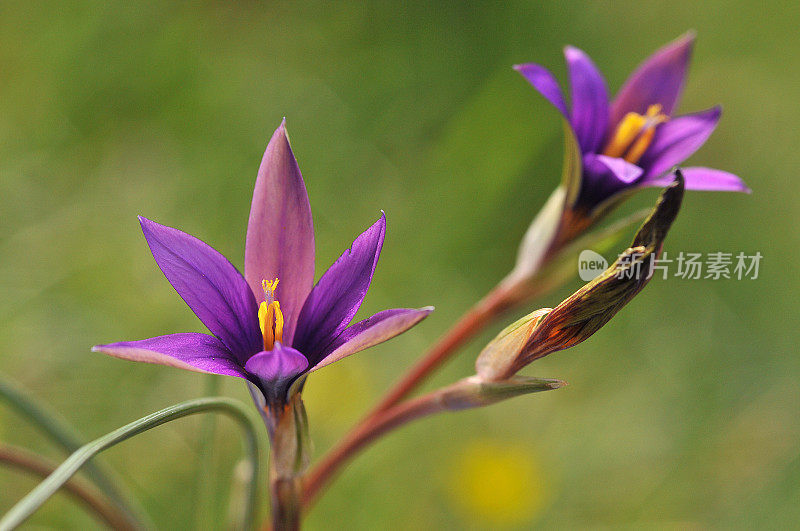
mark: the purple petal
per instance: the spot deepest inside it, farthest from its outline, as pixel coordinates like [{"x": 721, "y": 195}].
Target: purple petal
[
  {"x": 337, "y": 296},
  {"x": 209, "y": 284},
  {"x": 280, "y": 363},
  {"x": 280, "y": 232},
  {"x": 603, "y": 177},
  {"x": 659, "y": 79},
  {"x": 618, "y": 169},
  {"x": 589, "y": 97},
  {"x": 367, "y": 333},
  {"x": 543, "y": 81},
  {"x": 194, "y": 352},
  {"x": 707, "y": 179},
  {"x": 275, "y": 370},
  {"x": 677, "y": 140}
]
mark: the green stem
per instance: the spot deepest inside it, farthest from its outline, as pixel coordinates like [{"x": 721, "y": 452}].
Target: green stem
[
  {"x": 205, "y": 485},
  {"x": 30, "y": 503},
  {"x": 65, "y": 436}
]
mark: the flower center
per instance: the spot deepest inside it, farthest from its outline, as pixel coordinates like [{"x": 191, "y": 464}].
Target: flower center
[
  {"x": 270, "y": 317},
  {"x": 634, "y": 134}
]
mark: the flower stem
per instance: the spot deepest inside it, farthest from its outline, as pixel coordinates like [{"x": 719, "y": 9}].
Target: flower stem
[
  {"x": 289, "y": 456},
  {"x": 285, "y": 496},
  {"x": 64, "y": 435},
  {"x": 30, "y": 503},
  {"x": 470, "y": 324},
  {"x": 90, "y": 497},
  {"x": 554, "y": 268},
  {"x": 391, "y": 412}
]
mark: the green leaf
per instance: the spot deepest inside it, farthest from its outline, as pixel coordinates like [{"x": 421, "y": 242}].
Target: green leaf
[
  {"x": 64, "y": 435},
  {"x": 236, "y": 410}
]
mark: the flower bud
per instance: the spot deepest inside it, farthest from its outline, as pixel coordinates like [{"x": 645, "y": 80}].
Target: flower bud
[
  {"x": 475, "y": 392},
  {"x": 588, "y": 309}
]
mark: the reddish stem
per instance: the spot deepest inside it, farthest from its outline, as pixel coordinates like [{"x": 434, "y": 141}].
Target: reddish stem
[
  {"x": 390, "y": 413},
  {"x": 362, "y": 436},
  {"x": 93, "y": 500},
  {"x": 470, "y": 324}
]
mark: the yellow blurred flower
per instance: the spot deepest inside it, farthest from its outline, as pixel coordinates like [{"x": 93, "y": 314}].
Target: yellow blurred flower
[{"x": 499, "y": 483}]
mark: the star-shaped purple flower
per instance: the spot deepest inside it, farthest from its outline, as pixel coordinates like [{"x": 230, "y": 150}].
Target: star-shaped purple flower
[
  {"x": 634, "y": 140},
  {"x": 272, "y": 325}
]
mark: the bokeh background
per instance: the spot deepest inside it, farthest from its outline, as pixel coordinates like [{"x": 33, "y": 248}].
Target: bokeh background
[{"x": 681, "y": 413}]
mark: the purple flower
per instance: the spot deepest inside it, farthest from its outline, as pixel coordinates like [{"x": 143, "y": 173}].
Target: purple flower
[
  {"x": 634, "y": 140},
  {"x": 272, "y": 325}
]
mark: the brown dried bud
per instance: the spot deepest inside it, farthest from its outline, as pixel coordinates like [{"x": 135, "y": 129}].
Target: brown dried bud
[{"x": 588, "y": 309}]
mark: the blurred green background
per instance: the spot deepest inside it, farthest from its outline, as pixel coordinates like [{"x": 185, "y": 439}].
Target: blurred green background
[{"x": 681, "y": 413}]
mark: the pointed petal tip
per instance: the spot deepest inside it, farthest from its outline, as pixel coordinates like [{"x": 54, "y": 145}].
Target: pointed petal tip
[
  {"x": 280, "y": 138},
  {"x": 703, "y": 179},
  {"x": 190, "y": 351},
  {"x": 739, "y": 187},
  {"x": 683, "y": 44},
  {"x": 521, "y": 67},
  {"x": 541, "y": 79},
  {"x": 148, "y": 224},
  {"x": 381, "y": 224},
  {"x": 280, "y": 132},
  {"x": 658, "y": 79},
  {"x": 280, "y": 229},
  {"x": 574, "y": 51},
  {"x": 370, "y": 332},
  {"x": 339, "y": 292},
  {"x": 689, "y": 37}
]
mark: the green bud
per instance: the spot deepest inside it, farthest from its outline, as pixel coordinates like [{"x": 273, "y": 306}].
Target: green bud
[{"x": 475, "y": 392}]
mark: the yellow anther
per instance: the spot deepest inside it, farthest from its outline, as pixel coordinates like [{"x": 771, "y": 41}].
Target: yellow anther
[
  {"x": 641, "y": 144},
  {"x": 634, "y": 134},
  {"x": 270, "y": 317},
  {"x": 269, "y": 289},
  {"x": 626, "y": 132}
]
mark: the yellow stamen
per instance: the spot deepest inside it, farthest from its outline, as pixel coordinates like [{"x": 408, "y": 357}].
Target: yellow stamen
[
  {"x": 270, "y": 317},
  {"x": 626, "y": 132},
  {"x": 641, "y": 144},
  {"x": 634, "y": 134},
  {"x": 269, "y": 288}
]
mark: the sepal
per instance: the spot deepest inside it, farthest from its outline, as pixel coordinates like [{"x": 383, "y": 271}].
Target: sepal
[{"x": 475, "y": 392}]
